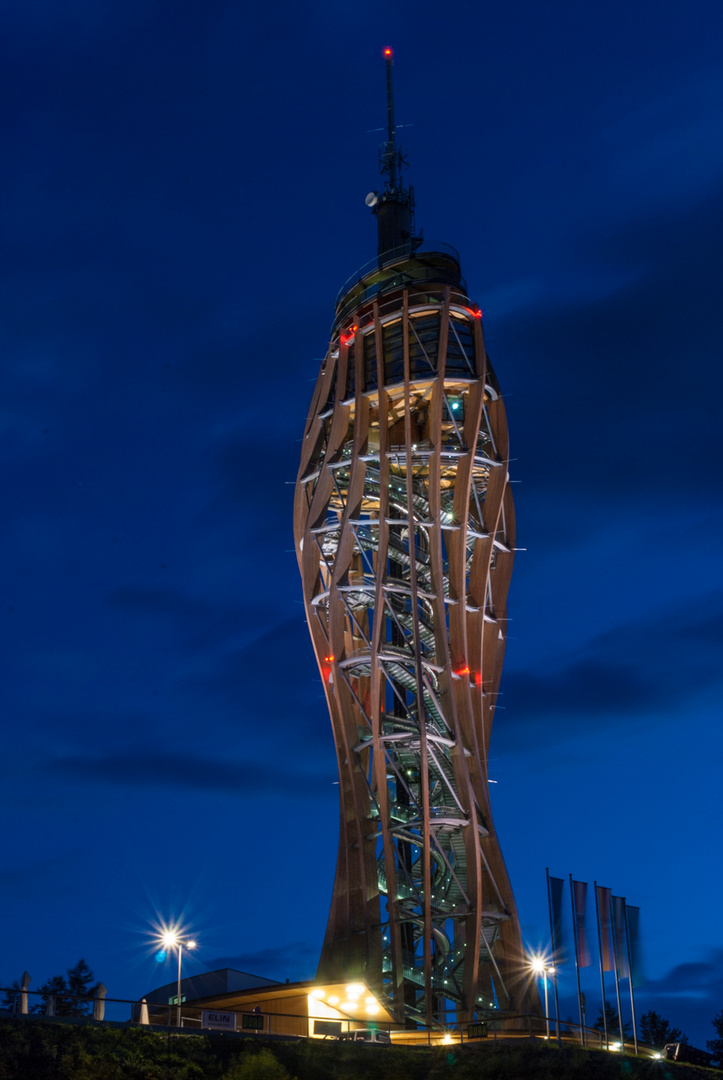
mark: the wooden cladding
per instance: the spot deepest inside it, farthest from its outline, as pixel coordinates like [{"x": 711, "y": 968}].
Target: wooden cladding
[{"x": 404, "y": 528}]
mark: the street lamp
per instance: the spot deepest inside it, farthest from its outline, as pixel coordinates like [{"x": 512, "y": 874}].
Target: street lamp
[
  {"x": 540, "y": 967},
  {"x": 171, "y": 939}
]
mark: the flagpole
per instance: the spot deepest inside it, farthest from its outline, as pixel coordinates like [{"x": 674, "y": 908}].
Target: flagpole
[
  {"x": 555, "y": 957},
  {"x": 577, "y": 961},
  {"x": 602, "y": 976},
  {"x": 617, "y": 974},
  {"x": 630, "y": 977}
]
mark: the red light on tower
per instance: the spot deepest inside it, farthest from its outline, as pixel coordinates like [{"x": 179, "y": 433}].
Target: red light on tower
[
  {"x": 326, "y": 669},
  {"x": 388, "y": 54}
]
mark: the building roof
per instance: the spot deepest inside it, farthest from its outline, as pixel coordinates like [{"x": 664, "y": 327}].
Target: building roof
[
  {"x": 209, "y": 984},
  {"x": 322, "y": 1000}
]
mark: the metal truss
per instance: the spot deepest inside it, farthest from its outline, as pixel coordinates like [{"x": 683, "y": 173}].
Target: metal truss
[{"x": 404, "y": 528}]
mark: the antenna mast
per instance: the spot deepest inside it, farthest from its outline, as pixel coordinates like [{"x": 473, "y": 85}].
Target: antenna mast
[
  {"x": 391, "y": 150},
  {"x": 394, "y": 207}
]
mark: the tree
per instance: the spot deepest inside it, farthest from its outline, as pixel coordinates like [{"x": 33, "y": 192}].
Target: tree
[
  {"x": 72, "y": 997},
  {"x": 12, "y": 997},
  {"x": 656, "y": 1031},
  {"x": 716, "y": 1045},
  {"x": 610, "y": 1020},
  {"x": 56, "y": 987},
  {"x": 80, "y": 989}
]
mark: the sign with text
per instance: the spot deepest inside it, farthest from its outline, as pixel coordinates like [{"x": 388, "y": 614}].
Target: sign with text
[
  {"x": 478, "y": 1030},
  {"x": 328, "y": 1027},
  {"x": 219, "y": 1021},
  {"x": 252, "y": 1021}
]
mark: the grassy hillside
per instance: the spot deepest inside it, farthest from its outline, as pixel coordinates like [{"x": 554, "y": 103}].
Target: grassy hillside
[{"x": 56, "y": 1051}]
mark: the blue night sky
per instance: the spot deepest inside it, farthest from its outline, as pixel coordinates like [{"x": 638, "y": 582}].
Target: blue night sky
[{"x": 182, "y": 195}]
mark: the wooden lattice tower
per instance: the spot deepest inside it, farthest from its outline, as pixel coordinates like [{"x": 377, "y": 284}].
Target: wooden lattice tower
[{"x": 405, "y": 532}]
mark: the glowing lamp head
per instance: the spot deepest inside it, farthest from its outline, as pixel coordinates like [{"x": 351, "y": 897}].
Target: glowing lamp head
[
  {"x": 191, "y": 944},
  {"x": 538, "y": 965},
  {"x": 388, "y": 54},
  {"x": 169, "y": 938}
]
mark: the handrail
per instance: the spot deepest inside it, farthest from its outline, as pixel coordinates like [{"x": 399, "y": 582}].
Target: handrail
[
  {"x": 388, "y": 257},
  {"x": 416, "y": 274},
  {"x": 531, "y": 1025}
]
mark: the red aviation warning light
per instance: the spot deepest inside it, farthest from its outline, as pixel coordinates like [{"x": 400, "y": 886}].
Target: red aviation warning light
[
  {"x": 388, "y": 54},
  {"x": 346, "y": 338},
  {"x": 326, "y": 669}
]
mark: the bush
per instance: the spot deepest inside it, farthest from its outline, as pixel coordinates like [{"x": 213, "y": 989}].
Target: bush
[{"x": 260, "y": 1066}]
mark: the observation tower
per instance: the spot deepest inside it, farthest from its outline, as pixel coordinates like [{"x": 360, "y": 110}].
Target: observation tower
[{"x": 405, "y": 532}]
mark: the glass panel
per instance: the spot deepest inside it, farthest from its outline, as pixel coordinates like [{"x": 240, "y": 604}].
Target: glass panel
[
  {"x": 350, "y": 374},
  {"x": 393, "y": 344},
  {"x": 423, "y": 346},
  {"x": 370, "y": 361},
  {"x": 460, "y": 348}
]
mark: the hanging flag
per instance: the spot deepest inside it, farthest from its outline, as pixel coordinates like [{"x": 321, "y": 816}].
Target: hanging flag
[
  {"x": 579, "y": 901},
  {"x": 633, "y": 914},
  {"x": 554, "y": 893},
  {"x": 604, "y": 908},
  {"x": 619, "y": 937}
]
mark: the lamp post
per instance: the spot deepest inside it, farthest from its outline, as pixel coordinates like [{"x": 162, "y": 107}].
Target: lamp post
[
  {"x": 540, "y": 967},
  {"x": 171, "y": 939}
]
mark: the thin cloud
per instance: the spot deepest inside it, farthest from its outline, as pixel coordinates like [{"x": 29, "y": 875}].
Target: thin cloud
[
  {"x": 297, "y": 960},
  {"x": 630, "y": 396},
  {"x": 154, "y": 769},
  {"x": 695, "y": 979},
  {"x": 633, "y": 668}
]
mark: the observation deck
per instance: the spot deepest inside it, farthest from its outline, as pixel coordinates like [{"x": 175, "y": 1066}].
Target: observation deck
[{"x": 413, "y": 264}]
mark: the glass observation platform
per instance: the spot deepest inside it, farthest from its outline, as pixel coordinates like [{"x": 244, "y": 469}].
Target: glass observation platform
[{"x": 413, "y": 264}]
